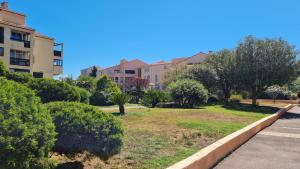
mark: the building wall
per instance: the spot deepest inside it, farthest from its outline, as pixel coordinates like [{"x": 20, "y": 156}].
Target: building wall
[
  {"x": 43, "y": 56},
  {"x": 12, "y": 17},
  {"x": 41, "y": 51},
  {"x": 15, "y": 45}
]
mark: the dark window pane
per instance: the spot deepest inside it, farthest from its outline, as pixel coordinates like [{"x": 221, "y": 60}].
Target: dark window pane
[
  {"x": 1, "y": 51},
  {"x": 1, "y": 35}
]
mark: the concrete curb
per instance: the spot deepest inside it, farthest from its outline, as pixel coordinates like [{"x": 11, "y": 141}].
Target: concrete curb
[{"x": 209, "y": 156}]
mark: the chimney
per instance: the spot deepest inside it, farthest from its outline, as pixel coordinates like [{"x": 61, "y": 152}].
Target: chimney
[{"x": 4, "y": 5}]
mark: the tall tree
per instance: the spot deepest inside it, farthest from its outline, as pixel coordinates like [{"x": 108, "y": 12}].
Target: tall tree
[
  {"x": 205, "y": 75},
  {"x": 94, "y": 72},
  {"x": 223, "y": 64},
  {"x": 263, "y": 63}
]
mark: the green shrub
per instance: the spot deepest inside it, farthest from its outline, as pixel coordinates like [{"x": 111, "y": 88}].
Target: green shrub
[
  {"x": 236, "y": 98},
  {"x": 105, "y": 90},
  {"x": 3, "y": 70},
  {"x": 152, "y": 98},
  {"x": 212, "y": 99},
  {"x": 52, "y": 90},
  {"x": 188, "y": 93},
  {"x": 84, "y": 95},
  {"x": 19, "y": 77},
  {"x": 26, "y": 129},
  {"x": 81, "y": 127},
  {"x": 120, "y": 99},
  {"x": 87, "y": 82}
]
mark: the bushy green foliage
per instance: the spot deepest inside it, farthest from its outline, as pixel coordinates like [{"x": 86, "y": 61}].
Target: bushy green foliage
[
  {"x": 26, "y": 129},
  {"x": 153, "y": 97},
  {"x": 204, "y": 74},
  {"x": 120, "y": 99},
  {"x": 136, "y": 93},
  {"x": 84, "y": 95},
  {"x": 19, "y": 77},
  {"x": 3, "y": 69},
  {"x": 104, "y": 92},
  {"x": 261, "y": 63},
  {"x": 87, "y": 82},
  {"x": 188, "y": 93},
  {"x": 52, "y": 90},
  {"x": 81, "y": 127},
  {"x": 224, "y": 65}
]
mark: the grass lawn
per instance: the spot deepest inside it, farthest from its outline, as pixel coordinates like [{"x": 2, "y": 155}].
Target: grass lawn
[{"x": 157, "y": 138}]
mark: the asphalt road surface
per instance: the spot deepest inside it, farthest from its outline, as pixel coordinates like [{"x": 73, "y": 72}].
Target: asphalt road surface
[{"x": 276, "y": 147}]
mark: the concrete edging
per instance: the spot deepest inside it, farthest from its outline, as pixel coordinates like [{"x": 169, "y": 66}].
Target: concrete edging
[{"x": 209, "y": 156}]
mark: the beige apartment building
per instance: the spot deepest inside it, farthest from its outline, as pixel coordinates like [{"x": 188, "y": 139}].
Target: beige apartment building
[
  {"x": 22, "y": 49},
  {"x": 157, "y": 73},
  {"x": 136, "y": 72}
]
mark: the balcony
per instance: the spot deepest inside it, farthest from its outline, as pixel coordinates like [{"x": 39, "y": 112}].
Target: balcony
[
  {"x": 57, "y": 53},
  {"x": 26, "y": 42},
  {"x": 19, "y": 62}
]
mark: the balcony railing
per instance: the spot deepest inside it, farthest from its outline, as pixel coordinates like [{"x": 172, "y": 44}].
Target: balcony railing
[
  {"x": 26, "y": 42},
  {"x": 19, "y": 62},
  {"x": 57, "y": 53}
]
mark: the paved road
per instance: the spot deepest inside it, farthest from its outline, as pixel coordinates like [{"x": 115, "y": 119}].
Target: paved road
[{"x": 276, "y": 147}]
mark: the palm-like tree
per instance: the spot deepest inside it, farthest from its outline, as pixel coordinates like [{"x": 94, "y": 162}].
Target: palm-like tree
[{"x": 120, "y": 99}]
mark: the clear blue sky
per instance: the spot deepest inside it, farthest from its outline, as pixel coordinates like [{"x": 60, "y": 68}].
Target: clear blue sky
[{"x": 101, "y": 32}]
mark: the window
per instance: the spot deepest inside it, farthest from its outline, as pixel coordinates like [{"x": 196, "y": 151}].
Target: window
[
  {"x": 1, "y": 51},
  {"x": 129, "y": 71},
  {"x": 116, "y": 79},
  {"x": 1, "y": 35},
  {"x": 19, "y": 54},
  {"x": 38, "y": 75},
  {"x": 139, "y": 72},
  {"x": 156, "y": 78},
  {"x": 57, "y": 62},
  {"x": 20, "y": 70},
  {"x": 18, "y": 36}
]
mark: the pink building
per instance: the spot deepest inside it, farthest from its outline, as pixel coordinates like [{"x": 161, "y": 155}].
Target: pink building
[{"x": 127, "y": 73}]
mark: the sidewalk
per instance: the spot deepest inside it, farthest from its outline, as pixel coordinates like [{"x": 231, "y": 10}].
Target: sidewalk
[{"x": 276, "y": 147}]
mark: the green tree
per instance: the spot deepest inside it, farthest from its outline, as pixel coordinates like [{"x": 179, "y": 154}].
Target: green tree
[
  {"x": 104, "y": 91},
  {"x": 82, "y": 127},
  {"x": 187, "y": 92},
  {"x": 223, "y": 64},
  {"x": 136, "y": 93},
  {"x": 120, "y": 99},
  {"x": 263, "y": 63},
  {"x": 94, "y": 72},
  {"x": 87, "y": 82},
  {"x": 26, "y": 129},
  {"x": 152, "y": 97},
  {"x": 205, "y": 75},
  {"x": 3, "y": 69}
]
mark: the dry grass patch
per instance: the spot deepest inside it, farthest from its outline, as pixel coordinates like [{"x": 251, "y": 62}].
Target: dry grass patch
[{"x": 157, "y": 138}]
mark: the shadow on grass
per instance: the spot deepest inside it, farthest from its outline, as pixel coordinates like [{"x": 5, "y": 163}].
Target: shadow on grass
[
  {"x": 71, "y": 165},
  {"x": 250, "y": 108},
  {"x": 117, "y": 114}
]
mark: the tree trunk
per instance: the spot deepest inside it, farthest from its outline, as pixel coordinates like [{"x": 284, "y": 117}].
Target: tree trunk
[
  {"x": 122, "y": 109},
  {"x": 254, "y": 95},
  {"x": 226, "y": 96}
]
